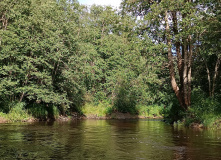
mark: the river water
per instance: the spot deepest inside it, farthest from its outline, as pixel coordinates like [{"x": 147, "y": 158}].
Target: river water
[{"x": 107, "y": 139}]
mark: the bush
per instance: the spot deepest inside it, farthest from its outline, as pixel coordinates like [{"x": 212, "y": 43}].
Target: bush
[
  {"x": 125, "y": 100},
  {"x": 43, "y": 112},
  {"x": 204, "y": 110},
  {"x": 173, "y": 112}
]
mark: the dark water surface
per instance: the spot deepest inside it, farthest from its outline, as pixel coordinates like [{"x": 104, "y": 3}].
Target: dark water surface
[{"x": 107, "y": 139}]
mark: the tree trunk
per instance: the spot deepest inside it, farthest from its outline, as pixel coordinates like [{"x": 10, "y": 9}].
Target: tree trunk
[
  {"x": 209, "y": 78},
  {"x": 189, "y": 74},
  {"x": 171, "y": 65},
  {"x": 184, "y": 62},
  {"x": 23, "y": 93},
  {"x": 215, "y": 75},
  {"x": 178, "y": 45}
]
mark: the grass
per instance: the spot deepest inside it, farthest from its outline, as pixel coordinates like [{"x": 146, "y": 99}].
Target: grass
[
  {"x": 104, "y": 109},
  {"x": 16, "y": 114},
  {"x": 204, "y": 110},
  {"x": 151, "y": 111},
  {"x": 207, "y": 120},
  {"x": 100, "y": 110},
  {"x": 207, "y": 111},
  {"x": 19, "y": 112}
]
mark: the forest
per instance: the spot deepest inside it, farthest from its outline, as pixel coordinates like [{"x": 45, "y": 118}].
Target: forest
[{"x": 153, "y": 58}]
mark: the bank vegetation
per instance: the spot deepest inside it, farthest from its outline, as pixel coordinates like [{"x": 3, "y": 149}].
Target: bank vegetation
[{"x": 150, "y": 58}]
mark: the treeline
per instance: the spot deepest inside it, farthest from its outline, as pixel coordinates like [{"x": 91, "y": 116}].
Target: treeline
[
  {"x": 60, "y": 55},
  {"x": 65, "y": 54}
]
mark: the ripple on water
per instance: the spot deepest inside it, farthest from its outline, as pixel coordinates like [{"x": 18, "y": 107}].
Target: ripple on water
[{"x": 107, "y": 139}]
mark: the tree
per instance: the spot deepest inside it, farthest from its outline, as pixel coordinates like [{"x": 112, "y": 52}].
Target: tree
[
  {"x": 175, "y": 23},
  {"x": 116, "y": 57},
  {"x": 35, "y": 50},
  {"x": 210, "y": 43}
]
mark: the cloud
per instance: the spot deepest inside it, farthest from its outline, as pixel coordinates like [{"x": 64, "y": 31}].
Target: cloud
[{"x": 114, "y": 3}]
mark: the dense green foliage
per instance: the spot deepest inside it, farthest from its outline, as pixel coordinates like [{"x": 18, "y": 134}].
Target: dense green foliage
[{"x": 59, "y": 57}]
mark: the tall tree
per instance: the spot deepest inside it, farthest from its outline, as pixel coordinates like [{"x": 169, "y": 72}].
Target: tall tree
[
  {"x": 34, "y": 50},
  {"x": 174, "y": 23},
  {"x": 210, "y": 43}
]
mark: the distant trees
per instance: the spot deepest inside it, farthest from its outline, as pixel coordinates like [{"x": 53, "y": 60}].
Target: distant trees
[
  {"x": 118, "y": 59},
  {"x": 211, "y": 45},
  {"x": 61, "y": 53}
]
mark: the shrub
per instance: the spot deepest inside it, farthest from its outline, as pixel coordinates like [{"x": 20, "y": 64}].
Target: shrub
[{"x": 43, "y": 112}]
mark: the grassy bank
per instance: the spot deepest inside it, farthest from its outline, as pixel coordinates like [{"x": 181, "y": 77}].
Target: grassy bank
[
  {"x": 204, "y": 112},
  {"x": 19, "y": 112},
  {"x": 103, "y": 110},
  {"x": 16, "y": 113}
]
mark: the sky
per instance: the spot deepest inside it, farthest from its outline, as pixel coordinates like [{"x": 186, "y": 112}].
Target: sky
[{"x": 114, "y": 3}]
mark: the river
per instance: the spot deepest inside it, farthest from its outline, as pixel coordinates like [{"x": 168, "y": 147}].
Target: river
[{"x": 107, "y": 139}]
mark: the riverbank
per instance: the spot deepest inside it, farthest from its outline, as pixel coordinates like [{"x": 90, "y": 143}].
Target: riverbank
[
  {"x": 192, "y": 118},
  {"x": 19, "y": 112},
  {"x": 216, "y": 124},
  {"x": 76, "y": 116},
  {"x": 119, "y": 115}
]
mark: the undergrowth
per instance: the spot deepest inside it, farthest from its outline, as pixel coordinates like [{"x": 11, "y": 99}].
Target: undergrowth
[
  {"x": 151, "y": 111},
  {"x": 17, "y": 113},
  {"x": 43, "y": 112},
  {"x": 105, "y": 109},
  {"x": 204, "y": 110},
  {"x": 98, "y": 110}
]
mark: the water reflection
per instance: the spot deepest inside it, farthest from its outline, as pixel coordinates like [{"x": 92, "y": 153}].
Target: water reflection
[
  {"x": 107, "y": 139},
  {"x": 198, "y": 143}
]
